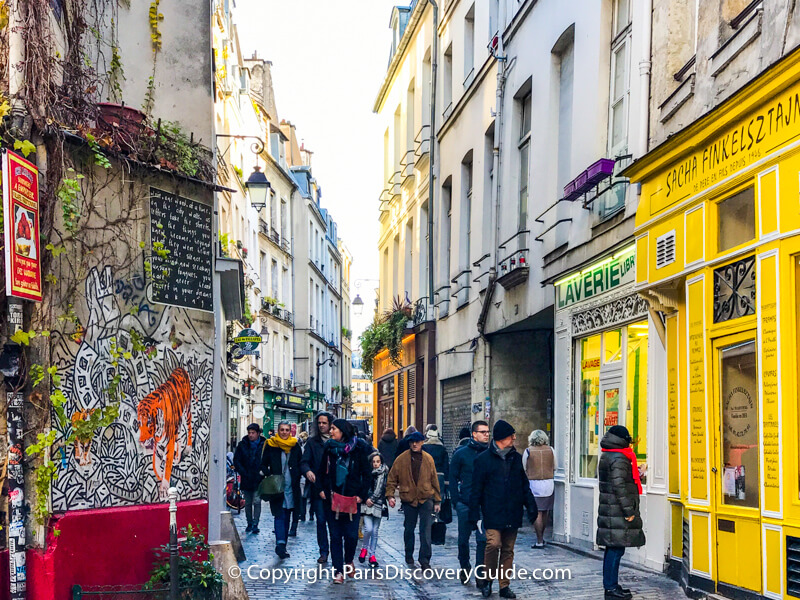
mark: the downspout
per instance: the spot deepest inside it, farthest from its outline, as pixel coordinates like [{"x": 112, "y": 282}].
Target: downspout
[
  {"x": 432, "y": 149},
  {"x": 645, "y": 65}
]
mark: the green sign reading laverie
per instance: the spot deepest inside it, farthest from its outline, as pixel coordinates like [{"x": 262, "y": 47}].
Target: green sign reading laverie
[{"x": 602, "y": 277}]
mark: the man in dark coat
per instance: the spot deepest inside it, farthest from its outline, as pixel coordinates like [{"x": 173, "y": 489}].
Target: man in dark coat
[
  {"x": 247, "y": 462},
  {"x": 282, "y": 457},
  {"x": 500, "y": 491},
  {"x": 461, "y": 471},
  {"x": 464, "y": 437},
  {"x": 387, "y": 446},
  {"x": 309, "y": 466},
  {"x": 433, "y": 445},
  {"x": 619, "y": 524}
]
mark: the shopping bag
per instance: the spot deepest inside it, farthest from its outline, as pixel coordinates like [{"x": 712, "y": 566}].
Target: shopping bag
[
  {"x": 446, "y": 511},
  {"x": 438, "y": 533}
]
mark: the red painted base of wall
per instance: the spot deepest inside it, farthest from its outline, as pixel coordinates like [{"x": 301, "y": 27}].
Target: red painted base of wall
[{"x": 101, "y": 547}]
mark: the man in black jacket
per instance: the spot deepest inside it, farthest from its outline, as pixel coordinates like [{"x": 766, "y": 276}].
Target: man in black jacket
[
  {"x": 309, "y": 465},
  {"x": 461, "y": 471},
  {"x": 500, "y": 491},
  {"x": 247, "y": 462}
]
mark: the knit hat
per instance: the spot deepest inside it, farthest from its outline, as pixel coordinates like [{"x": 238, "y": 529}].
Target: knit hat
[
  {"x": 432, "y": 434},
  {"x": 464, "y": 433},
  {"x": 502, "y": 430},
  {"x": 621, "y": 432},
  {"x": 415, "y": 437},
  {"x": 347, "y": 429}
]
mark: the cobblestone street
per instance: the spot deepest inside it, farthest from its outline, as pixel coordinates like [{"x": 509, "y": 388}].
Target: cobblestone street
[{"x": 586, "y": 581}]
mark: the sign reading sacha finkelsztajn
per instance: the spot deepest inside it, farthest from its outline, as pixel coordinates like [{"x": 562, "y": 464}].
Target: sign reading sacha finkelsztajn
[
  {"x": 180, "y": 232},
  {"x": 21, "y": 225},
  {"x": 600, "y": 278}
]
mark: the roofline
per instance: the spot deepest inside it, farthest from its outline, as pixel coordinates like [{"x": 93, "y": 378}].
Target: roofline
[{"x": 399, "y": 55}]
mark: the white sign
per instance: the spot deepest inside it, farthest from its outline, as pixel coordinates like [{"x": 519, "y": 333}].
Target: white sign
[{"x": 259, "y": 412}]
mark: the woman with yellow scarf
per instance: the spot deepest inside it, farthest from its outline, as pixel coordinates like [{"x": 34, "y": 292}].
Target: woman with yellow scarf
[{"x": 282, "y": 457}]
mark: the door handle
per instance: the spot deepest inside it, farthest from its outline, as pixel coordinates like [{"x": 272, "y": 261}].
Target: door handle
[{"x": 713, "y": 469}]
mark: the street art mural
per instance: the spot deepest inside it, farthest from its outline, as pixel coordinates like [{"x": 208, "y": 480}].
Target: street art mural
[{"x": 161, "y": 437}]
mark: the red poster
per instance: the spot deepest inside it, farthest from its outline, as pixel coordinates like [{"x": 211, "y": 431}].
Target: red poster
[{"x": 21, "y": 224}]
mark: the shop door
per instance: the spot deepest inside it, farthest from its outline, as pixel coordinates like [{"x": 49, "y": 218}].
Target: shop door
[{"x": 735, "y": 462}]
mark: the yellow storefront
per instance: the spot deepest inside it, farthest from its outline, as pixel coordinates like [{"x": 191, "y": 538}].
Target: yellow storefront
[{"x": 718, "y": 254}]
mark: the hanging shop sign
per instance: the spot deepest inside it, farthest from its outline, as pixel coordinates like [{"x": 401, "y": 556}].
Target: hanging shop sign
[
  {"x": 604, "y": 276},
  {"x": 248, "y": 341},
  {"x": 21, "y": 228},
  {"x": 259, "y": 412}
]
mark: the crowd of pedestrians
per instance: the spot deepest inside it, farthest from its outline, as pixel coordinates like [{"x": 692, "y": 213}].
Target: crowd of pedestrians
[{"x": 336, "y": 477}]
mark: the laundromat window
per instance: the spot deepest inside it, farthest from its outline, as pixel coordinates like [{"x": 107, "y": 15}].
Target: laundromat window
[
  {"x": 590, "y": 405},
  {"x": 736, "y": 218},
  {"x": 612, "y": 345},
  {"x": 636, "y": 391}
]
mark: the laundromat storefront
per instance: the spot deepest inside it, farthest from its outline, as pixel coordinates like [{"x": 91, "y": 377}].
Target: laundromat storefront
[{"x": 718, "y": 248}]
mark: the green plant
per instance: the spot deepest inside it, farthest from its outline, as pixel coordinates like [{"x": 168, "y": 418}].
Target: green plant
[
  {"x": 247, "y": 317},
  {"x": 238, "y": 171},
  {"x": 155, "y": 19},
  {"x": 195, "y": 566},
  {"x": 68, "y": 193},
  {"x": 385, "y": 333},
  {"x": 100, "y": 159},
  {"x": 115, "y": 73},
  {"x": 347, "y": 393},
  {"x": 270, "y": 300},
  {"x": 177, "y": 149}
]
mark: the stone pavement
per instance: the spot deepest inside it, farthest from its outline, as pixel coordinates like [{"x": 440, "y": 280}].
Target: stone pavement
[{"x": 585, "y": 571}]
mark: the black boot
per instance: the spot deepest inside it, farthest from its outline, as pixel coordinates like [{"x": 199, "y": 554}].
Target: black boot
[
  {"x": 280, "y": 550},
  {"x": 486, "y": 590},
  {"x": 618, "y": 594},
  {"x": 507, "y": 593},
  {"x": 293, "y": 531}
]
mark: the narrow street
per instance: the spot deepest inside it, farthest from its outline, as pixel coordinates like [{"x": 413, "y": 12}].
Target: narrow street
[{"x": 585, "y": 571}]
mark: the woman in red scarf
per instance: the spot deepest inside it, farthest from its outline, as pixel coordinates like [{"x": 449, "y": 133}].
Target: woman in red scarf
[{"x": 619, "y": 524}]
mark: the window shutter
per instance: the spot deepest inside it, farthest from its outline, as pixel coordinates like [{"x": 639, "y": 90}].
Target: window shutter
[{"x": 665, "y": 249}]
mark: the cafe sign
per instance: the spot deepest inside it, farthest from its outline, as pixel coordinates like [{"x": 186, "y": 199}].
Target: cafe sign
[
  {"x": 604, "y": 276},
  {"x": 248, "y": 341},
  {"x": 21, "y": 228}
]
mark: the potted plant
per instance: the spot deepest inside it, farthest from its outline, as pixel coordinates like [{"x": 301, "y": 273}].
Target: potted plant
[{"x": 118, "y": 117}]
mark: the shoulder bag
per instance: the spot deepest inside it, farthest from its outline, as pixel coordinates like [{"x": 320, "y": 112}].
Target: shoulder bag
[
  {"x": 344, "y": 504},
  {"x": 271, "y": 485}
]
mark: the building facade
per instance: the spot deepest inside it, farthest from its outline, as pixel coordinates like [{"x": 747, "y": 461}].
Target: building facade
[
  {"x": 362, "y": 403},
  {"x": 717, "y": 256},
  {"x": 347, "y": 332}
]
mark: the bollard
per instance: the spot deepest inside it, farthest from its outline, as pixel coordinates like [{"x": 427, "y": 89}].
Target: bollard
[{"x": 174, "y": 576}]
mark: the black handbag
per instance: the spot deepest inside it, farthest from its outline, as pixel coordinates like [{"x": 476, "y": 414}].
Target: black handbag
[{"x": 446, "y": 511}]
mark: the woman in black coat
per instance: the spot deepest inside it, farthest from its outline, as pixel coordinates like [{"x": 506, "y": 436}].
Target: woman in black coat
[
  {"x": 282, "y": 457},
  {"x": 345, "y": 470},
  {"x": 619, "y": 524}
]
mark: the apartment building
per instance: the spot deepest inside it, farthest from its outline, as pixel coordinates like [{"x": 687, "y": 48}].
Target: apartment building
[{"x": 347, "y": 331}]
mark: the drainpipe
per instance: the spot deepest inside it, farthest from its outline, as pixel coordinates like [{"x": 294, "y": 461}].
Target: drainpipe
[
  {"x": 434, "y": 63},
  {"x": 644, "y": 77}
]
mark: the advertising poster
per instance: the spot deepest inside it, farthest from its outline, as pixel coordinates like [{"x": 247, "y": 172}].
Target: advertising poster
[{"x": 21, "y": 228}]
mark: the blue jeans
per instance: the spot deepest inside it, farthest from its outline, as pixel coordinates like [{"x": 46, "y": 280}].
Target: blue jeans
[
  {"x": 321, "y": 515},
  {"x": 282, "y": 518},
  {"x": 611, "y": 560},
  {"x": 371, "y": 526},
  {"x": 344, "y": 539},
  {"x": 464, "y": 533}
]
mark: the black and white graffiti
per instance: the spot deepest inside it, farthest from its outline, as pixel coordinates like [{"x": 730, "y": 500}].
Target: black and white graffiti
[{"x": 161, "y": 437}]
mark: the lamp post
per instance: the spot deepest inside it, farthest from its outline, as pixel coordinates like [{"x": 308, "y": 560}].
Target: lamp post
[
  {"x": 257, "y": 188},
  {"x": 358, "y": 302}
]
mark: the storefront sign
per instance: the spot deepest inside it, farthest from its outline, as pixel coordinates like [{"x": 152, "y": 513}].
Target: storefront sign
[
  {"x": 248, "y": 340},
  {"x": 606, "y": 275},
  {"x": 21, "y": 219},
  {"x": 259, "y": 412}
]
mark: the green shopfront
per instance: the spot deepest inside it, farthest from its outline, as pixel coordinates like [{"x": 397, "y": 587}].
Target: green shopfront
[{"x": 284, "y": 406}]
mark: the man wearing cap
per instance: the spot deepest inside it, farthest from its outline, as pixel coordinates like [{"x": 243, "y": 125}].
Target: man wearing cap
[
  {"x": 500, "y": 491},
  {"x": 247, "y": 462},
  {"x": 414, "y": 474}
]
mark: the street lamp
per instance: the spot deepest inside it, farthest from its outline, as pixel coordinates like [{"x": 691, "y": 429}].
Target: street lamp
[
  {"x": 358, "y": 305},
  {"x": 257, "y": 188}
]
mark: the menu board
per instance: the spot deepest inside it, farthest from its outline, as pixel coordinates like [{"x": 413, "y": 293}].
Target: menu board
[
  {"x": 770, "y": 402},
  {"x": 183, "y": 228},
  {"x": 21, "y": 227},
  {"x": 698, "y": 431}
]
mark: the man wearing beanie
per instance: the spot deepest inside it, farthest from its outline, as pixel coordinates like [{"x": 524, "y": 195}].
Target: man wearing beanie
[
  {"x": 414, "y": 474},
  {"x": 247, "y": 462},
  {"x": 500, "y": 491}
]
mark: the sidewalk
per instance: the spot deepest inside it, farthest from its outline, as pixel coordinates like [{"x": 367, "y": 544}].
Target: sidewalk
[{"x": 585, "y": 582}]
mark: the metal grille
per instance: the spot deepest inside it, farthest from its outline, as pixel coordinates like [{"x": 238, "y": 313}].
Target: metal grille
[
  {"x": 685, "y": 553},
  {"x": 793, "y": 566},
  {"x": 665, "y": 249},
  {"x": 412, "y": 385},
  {"x": 456, "y": 403},
  {"x": 137, "y": 592}
]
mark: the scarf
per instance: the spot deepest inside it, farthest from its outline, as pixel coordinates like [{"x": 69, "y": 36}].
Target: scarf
[
  {"x": 285, "y": 445},
  {"x": 504, "y": 452},
  {"x": 341, "y": 450},
  {"x": 325, "y": 437},
  {"x": 634, "y": 467}
]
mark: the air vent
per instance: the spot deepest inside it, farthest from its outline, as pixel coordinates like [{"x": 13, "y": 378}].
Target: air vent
[
  {"x": 793, "y": 566},
  {"x": 665, "y": 249},
  {"x": 685, "y": 554}
]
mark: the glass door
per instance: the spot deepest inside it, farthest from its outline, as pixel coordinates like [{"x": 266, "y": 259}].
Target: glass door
[{"x": 735, "y": 462}]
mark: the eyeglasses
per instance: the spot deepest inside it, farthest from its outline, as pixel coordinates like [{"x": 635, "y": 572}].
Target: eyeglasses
[{"x": 483, "y": 431}]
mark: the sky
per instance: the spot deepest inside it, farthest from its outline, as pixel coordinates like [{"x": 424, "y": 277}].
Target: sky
[{"x": 328, "y": 62}]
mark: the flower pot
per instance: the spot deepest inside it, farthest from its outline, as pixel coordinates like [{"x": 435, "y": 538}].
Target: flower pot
[{"x": 118, "y": 117}]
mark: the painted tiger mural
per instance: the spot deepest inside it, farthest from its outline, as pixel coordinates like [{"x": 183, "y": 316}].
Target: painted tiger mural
[{"x": 160, "y": 415}]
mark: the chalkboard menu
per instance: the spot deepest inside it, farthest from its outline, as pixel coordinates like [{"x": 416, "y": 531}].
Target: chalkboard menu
[{"x": 182, "y": 277}]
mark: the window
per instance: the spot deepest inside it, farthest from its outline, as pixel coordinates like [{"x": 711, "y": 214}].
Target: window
[
  {"x": 395, "y": 267},
  {"x": 398, "y": 141},
  {"x": 589, "y": 405},
  {"x": 410, "y": 124},
  {"x": 736, "y": 216},
  {"x": 263, "y": 266},
  {"x": 636, "y": 389},
  {"x": 494, "y": 19},
  {"x": 284, "y": 230},
  {"x": 620, "y": 85},
  {"x": 469, "y": 45},
  {"x": 408, "y": 243},
  {"x": 273, "y": 210},
  {"x": 426, "y": 88},
  {"x": 524, "y": 158},
  {"x": 444, "y": 252},
  {"x": 447, "y": 81},
  {"x": 466, "y": 214},
  {"x": 275, "y": 292}
]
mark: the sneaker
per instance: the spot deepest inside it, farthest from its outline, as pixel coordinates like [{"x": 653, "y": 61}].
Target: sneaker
[
  {"x": 323, "y": 558},
  {"x": 363, "y": 555},
  {"x": 338, "y": 578},
  {"x": 537, "y": 545},
  {"x": 486, "y": 590},
  {"x": 624, "y": 590},
  {"x": 373, "y": 562},
  {"x": 352, "y": 570},
  {"x": 255, "y": 530},
  {"x": 507, "y": 593}
]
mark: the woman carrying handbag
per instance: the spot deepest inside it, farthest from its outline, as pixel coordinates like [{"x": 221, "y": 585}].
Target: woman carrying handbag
[
  {"x": 345, "y": 477},
  {"x": 280, "y": 465}
]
